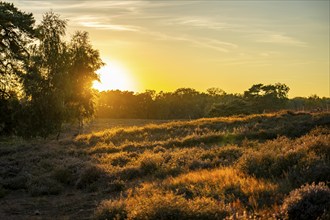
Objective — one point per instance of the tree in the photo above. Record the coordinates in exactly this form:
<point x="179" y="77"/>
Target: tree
<point x="59" y="80"/>
<point x="267" y="97"/>
<point x="215" y="92"/>
<point x="16" y="31"/>
<point x="46" y="80"/>
<point x="235" y="106"/>
<point x="84" y="61"/>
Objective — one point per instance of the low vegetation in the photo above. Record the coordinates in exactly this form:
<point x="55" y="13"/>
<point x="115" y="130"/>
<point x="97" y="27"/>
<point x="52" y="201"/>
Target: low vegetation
<point x="268" y="166"/>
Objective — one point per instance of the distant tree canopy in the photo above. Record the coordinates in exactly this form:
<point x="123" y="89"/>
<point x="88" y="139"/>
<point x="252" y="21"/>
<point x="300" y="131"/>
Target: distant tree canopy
<point x="187" y="103"/>
<point x="55" y="76"/>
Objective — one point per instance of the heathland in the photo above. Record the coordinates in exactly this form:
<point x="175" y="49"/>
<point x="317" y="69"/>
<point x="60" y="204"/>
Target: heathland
<point x="263" y="166"/>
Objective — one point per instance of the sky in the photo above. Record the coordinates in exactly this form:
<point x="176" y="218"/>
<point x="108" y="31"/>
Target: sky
<point x="165" y="45"/>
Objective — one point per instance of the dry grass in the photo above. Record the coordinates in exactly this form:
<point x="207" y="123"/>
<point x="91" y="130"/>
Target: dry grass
<point x="237" y="167"/>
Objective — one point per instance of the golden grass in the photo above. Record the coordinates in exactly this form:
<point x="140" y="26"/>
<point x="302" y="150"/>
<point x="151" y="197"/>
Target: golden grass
<point x="212" y="168"/>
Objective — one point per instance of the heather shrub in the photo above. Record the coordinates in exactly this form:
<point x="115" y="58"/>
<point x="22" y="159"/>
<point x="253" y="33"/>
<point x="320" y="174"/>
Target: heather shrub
<point x="226" y="185"/>
<point x="150" y="163"/>
<point x="155" y="204"/>
<point x="2" y="192"/>
<point x="89" y="177"/>
<point x="229" y="155"/>
<point x="302" y="160"/>
<point x="64" y="175"/>
<point x="151" y="203"/>
<point x="121" y="159"/>
<point x="16" y="182"/>
<point x="129" y="173"/>
<point x="44" y="185"/>
<point x="103" y="148"/>
<point x="109" y="210"/>
<point x="308" y="202"/>
<point x="270" y="164"/>
<point x="115" y="186"/>
<point x="159" y="149"/>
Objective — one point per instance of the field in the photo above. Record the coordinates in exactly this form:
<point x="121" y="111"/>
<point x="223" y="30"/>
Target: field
<point x="264" y="166"/>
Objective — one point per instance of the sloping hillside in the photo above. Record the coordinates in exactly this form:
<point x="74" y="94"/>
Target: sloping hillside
<point x="237" y="167"/>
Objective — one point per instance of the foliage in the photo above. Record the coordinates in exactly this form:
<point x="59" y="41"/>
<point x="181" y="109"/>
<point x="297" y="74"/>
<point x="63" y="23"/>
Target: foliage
<point x="298" y="160"/>
<point x="16" y="31"/>
<point x="187" y="103"/>
<point x="148" y="203"/>
<point x="56" y="76"/>
<point x="308" y="202"/>
<point x="44" y="81"/>
<point x="84" y="61"/>
<point x="267" y="97"/>
<point x="111" y="210"/>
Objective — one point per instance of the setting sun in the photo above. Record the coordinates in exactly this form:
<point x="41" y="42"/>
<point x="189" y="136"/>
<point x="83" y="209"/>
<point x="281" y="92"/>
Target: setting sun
<point x="114" y="76"/>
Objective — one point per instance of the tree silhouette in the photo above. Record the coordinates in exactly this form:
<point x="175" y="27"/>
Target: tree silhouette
<point x="16" y="31"/>
<point x="84" y="61"/>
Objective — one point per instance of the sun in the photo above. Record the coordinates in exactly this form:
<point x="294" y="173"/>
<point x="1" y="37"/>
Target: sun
<point x="113" y="75"/>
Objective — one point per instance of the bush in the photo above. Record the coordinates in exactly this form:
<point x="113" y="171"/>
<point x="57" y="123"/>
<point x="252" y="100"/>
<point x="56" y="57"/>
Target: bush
<point x="64" y="175"/>
<point x="129" y="173"/>
<point x="150" y="164"/>
<point x="303" y="160"/>
<point x="88" y="177"/>
<point x="3" y="192"/>
<point x="109" y="210"/>
<point x="116" y="186"/>
<point x="308" y="202"/>
<point x="44" y="185"/>
<point x="157" y="205"/>
<point x="16" y="182"/>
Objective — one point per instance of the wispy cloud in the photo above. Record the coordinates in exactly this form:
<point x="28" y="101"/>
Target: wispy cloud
<point x="101" y="22"/>
<point x="194" y="41"/>
<point x="156" y="17"/>
<point x="198" y="22"/>
<point x="114" y="27"/>
<point x="279" y="38"/>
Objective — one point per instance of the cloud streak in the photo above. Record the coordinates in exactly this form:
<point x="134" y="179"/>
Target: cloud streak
<point x="279" y="38"/>
<point x="198" y="22"/>
<point x="210" y="43"/>
<point x="114" y="27"/>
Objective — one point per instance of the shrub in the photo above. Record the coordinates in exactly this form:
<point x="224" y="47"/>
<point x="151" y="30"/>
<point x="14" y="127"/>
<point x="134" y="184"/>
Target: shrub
<point x="308" y="202"/>
<point x="88" y="177"/>
<point x="116" y="186"/>
<point x="109" y="210"/>
<point x="43" y="185"/>
<point x="129" y="173"/>
<point x="149" y="164"/>
<point x="120" y="160"/>
<point x="226" y="184"/>
<point x="2" y="192"/>
<point x="155" y="204"/>
<point x="64" y="175"/>
<point x="16" y="182"/>
<point x="304" y="160"/>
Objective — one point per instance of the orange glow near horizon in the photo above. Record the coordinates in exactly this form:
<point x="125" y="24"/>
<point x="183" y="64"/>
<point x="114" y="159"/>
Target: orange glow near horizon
<point x="113" y="75"/>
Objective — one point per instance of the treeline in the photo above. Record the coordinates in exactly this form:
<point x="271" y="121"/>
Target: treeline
<point x="44" y="80"/>
<point x="187" y="103"/>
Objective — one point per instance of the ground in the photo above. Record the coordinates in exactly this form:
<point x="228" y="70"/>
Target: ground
<point x="213" y="168"/>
